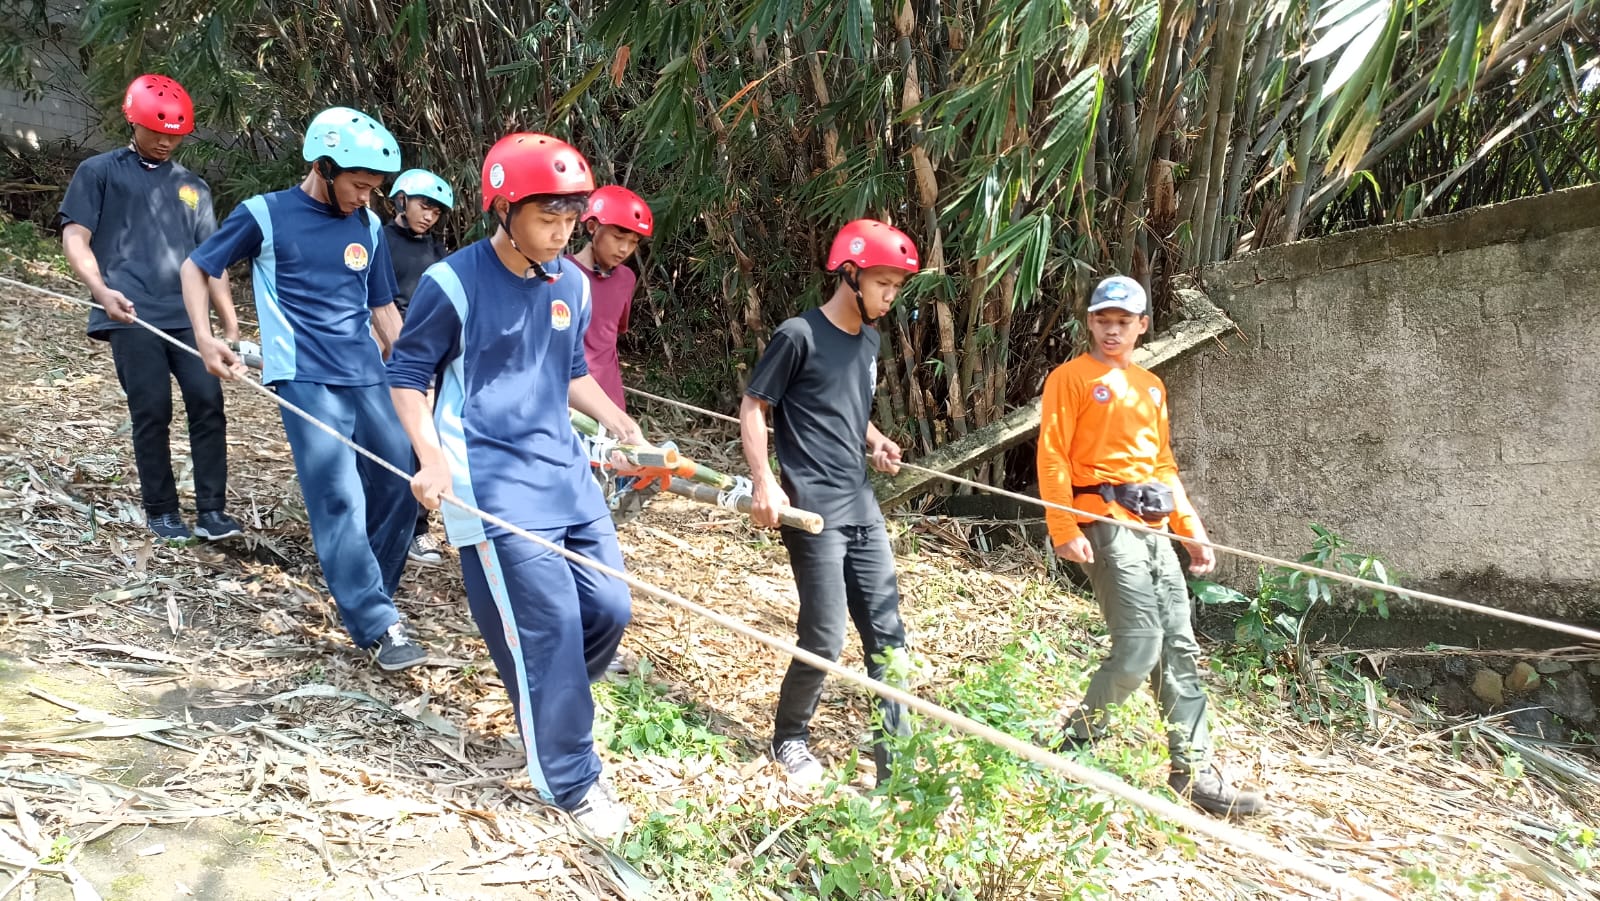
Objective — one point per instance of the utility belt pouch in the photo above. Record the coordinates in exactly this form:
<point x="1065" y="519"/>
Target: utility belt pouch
<point x="1150" y="501"/>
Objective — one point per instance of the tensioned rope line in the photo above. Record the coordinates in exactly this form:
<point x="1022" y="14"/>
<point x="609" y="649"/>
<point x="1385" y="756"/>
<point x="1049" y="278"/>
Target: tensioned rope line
<point x="1215" y="829"/>
<point x="1441" y="600"/>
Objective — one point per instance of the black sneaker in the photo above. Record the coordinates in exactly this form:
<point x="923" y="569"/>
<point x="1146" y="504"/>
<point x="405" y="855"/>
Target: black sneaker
<point x="215" y="525"/>
<point x="397" y="650"/>
<point x="169" y="527"/>
<point x="1208" y="791"/>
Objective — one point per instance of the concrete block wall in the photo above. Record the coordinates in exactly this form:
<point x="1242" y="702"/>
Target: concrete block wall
<point x="53" y="118"/>
<point x="63" y="113"/>
<point x="1430" y="391"/>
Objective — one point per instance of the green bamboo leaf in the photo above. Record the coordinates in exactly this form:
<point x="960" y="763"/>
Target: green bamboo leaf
<point x="576" y="91"/>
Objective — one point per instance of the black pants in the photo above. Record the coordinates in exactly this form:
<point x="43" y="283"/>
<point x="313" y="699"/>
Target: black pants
<point x="846" y="571"/>
<point x="146" y="366"/>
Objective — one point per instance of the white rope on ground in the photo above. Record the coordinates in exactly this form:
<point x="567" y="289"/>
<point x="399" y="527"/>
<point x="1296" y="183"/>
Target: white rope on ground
<point x="1440" y="600"/>
<point x="1217" y="830"/>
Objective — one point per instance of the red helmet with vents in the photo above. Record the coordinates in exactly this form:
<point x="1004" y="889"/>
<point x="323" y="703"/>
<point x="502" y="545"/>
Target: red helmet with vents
<point x="159" y="104"/>
<point x="868" y="243"/>
<point x="525" y="164"/>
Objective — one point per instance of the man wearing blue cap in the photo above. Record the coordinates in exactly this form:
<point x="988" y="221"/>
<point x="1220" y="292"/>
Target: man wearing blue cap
<point x="325" y="292"/>
<point x="1104" y="448"/>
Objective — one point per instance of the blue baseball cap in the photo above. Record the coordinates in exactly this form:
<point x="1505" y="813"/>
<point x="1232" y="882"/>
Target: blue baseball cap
<point x="1120" y="292"/>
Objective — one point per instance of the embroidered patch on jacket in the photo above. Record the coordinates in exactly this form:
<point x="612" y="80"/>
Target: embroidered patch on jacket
<point x="355" y="256"/>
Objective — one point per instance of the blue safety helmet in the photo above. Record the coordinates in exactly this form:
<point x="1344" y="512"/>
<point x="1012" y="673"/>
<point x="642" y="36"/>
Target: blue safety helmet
<point x="422" y="183"/>
<point x="352" y="139"/>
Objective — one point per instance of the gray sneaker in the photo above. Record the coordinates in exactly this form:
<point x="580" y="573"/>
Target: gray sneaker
<point x="397" y="650"/>
<point x="424" y="551"/>
<point x="795" y="756"/>
<point x="1208" y="791"/>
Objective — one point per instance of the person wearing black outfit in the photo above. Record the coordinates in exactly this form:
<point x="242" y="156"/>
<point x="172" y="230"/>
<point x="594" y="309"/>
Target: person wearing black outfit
<point x="817" y="378"/>
<point x="129" y="219"/>
<point x="420" y="201"/>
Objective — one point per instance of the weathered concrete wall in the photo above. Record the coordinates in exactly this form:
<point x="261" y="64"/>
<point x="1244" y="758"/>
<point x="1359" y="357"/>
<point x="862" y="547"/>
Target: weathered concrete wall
<point x="1430" y="391"/>
<point x="64" y="112"/>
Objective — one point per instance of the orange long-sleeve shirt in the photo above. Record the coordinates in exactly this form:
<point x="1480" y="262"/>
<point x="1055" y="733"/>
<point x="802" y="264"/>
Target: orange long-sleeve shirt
<point x="1100" y="425"/>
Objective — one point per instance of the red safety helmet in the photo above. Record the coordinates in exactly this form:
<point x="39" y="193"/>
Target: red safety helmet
<point x="159" y="104"/>
<point x="616" y="205"/>
<point x="868" y="243"/>
<point x="525" y="164"/>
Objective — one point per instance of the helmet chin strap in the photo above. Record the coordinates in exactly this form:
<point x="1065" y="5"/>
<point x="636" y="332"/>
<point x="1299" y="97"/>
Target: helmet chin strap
<point x="549" y="277"/>
<point x="861" y="305"/>
<point x="324" y="167"/>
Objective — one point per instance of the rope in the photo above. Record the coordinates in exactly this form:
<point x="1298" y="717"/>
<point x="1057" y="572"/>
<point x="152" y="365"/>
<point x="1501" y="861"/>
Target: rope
<point x="1216" y="830"/>
<point x="1440" y="600"/>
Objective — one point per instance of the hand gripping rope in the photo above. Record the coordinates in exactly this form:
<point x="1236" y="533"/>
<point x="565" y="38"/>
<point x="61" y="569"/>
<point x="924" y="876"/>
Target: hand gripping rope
<point x="1441" y="600"/>
<point x="1184" y="816"/>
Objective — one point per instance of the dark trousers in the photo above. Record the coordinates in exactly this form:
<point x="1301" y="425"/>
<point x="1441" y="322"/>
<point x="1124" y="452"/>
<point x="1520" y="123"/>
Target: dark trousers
<point x="846" y="573"/>
<point x="360" y="514"/>
<point x="146" y="366"/>
<point x="551" y="627"/>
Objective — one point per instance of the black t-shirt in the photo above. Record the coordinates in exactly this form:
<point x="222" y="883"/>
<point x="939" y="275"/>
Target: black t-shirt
<point x="143" y="223"/>
<point x="412" y="255"/>
<point x="819" y="381"/>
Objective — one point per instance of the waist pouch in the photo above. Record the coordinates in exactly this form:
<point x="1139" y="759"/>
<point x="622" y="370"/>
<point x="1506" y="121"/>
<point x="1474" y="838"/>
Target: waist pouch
<point x="1150" y="501"/>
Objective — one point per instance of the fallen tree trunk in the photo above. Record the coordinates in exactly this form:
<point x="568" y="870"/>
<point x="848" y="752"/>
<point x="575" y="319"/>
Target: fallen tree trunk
<point x="1202" y="321"/>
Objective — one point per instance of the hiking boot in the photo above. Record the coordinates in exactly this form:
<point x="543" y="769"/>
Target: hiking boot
<point x="169" y="527"/>
<point x="1208" y="791"/>
<point x="601" y="813"/>
<point x="424" y="551"/>
<point x="397" y="650"/>
<point x="795" y="756"/>
<point x="215" y="525"/>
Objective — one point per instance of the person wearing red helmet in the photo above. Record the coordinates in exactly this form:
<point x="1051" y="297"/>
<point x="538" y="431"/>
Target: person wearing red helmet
<point x="617" y="220"/>
<point x="497" y="328"/>
<point x="817" y="377"/>
<point x="130" y="217"/>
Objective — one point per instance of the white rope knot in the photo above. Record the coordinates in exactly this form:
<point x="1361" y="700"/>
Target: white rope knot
<point x="730" y="498"/>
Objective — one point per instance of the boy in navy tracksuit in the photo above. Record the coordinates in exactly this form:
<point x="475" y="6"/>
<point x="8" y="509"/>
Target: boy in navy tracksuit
<point x="500" y="323"/>
<point x="324" y="291"/>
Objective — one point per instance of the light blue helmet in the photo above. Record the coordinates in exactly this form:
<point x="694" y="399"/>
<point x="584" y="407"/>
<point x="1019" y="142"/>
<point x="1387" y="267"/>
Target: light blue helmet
<point x="352" y="139"/>
<point x="422" y="183"/>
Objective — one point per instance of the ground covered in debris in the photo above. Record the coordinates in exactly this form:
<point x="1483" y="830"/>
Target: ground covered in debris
<point x="192" y="722"/>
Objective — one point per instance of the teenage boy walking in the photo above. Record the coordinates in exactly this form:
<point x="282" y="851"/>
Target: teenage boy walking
<point x="1104" y="448"/>
<point x="420" y="198"/>
<point x="817" y="377"/>
<point x="324" y="291"/>
<point x="130" y="218"/>
<point x="502" y="322"/>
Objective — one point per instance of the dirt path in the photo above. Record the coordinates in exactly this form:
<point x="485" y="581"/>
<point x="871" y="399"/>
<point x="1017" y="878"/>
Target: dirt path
<point x="193" y="723"/>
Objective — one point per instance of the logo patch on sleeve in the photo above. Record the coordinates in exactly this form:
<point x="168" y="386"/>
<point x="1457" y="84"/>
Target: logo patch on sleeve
<point x="355" y="256"/>
<point x="1155" y="395"/>
<point x="560" y="315"/>
<point x="1102" y="394"/>
<point x="189" y="196"/>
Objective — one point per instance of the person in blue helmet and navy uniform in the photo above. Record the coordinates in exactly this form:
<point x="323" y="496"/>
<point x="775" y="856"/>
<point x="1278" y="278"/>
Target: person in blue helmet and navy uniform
<point x="325" y="289"/>
<point x="421" y="199"/>
<point x="500" y="324"/>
